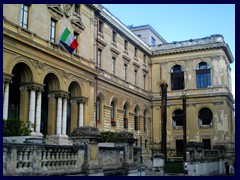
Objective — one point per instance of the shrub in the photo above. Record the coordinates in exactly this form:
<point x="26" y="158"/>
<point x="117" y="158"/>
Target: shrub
<point x="107" y="136"/>
<point x="16" y="127"/>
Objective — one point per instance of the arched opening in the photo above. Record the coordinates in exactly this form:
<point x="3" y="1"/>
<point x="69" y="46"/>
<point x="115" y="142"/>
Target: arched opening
<point x="51" y="84"/>
<point x="177" y="77"/>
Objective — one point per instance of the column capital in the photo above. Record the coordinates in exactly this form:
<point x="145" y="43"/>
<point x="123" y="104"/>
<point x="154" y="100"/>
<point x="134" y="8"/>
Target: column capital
<point x="31" y="86"/>
<point x="80" y="99"/>
<point x="57" y="94"/>
<point x="7" y="77"/>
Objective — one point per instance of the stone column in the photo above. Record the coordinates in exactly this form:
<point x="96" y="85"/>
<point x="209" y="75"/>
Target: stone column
<point x="6" y="101"/>
<point x="64" y="118"/>
<point x="32" y="105"/>
<point x="38" y="112"/>
<point x="90" y="137"/>
<point x="51" y="114"/>
<point x="59" y="115"/>
<point x="24" y="102"/>
<point x="74" y="113"/>
<point x="80" y="118"/>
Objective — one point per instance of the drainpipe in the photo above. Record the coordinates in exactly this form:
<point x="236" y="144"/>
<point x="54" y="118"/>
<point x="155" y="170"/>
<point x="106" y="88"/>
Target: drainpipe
<point x="96" y="66"/>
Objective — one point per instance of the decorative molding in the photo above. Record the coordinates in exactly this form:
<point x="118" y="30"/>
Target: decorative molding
<point x="56" y="11"/>
<point x="114" y="52"/>
<point x="101" y="44"/>
<point x="136" y="65"/>
<point x="126" y="59"/>
<point x="67" y="9"/>
<point x="77" y="25"/>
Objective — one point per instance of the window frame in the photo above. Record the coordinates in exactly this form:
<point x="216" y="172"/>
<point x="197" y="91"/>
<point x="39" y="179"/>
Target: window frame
<point x="203" y="75"/>
<point x="53" y="30"/>
<point x="177" y="78"/>
<point x="207" y="115"/>
<point x="113" y="65"/>
<point x="24" y="17"/>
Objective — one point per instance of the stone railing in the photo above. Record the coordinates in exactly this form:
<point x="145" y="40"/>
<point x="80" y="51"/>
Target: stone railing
<point x="86" y="157"/>
<point x="39" y="159"/>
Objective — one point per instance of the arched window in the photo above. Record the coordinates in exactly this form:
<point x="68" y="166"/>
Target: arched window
<point x="203" y="75"/>
<point x="125" y="119"/>
<point x="205" y="117"/>
<point x="113" y="123"/>
<point x="145" y="121"/>
<point x="177" y="118"/>
<point x="136" y="119"/>
<point x="98" y="104"/>
<point x="177" y="78"/>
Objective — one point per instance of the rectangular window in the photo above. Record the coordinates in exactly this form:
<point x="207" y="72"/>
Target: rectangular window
<point x="135" y="52"/>
<point x="144" y="58"/>
<point x="52" y="30"/>
<point x="153" y="41"/>
<point x="75" y="35"/>
<point x="114" y="36"/>
<point x="125" y="45"/>
<point x="99" y="57"/>
<point x="113" y="65"/>
<point x="135" y="77"/>
<point x="100" y="26"/>
<point x="77" y="8"/>
<point x="125" y="72"/>
<point x="144" y="81"/>
<point x="24" y="16"/>
<point x="207" y="143"/>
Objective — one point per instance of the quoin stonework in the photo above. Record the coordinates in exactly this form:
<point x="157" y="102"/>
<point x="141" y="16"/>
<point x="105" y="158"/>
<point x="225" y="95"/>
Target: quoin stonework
<point x="112" y="81"/>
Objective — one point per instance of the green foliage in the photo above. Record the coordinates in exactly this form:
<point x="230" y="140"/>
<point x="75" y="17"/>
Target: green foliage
<point x="107" y="136"/>
<point x="174" y="167"/>
<point x="16" y="127"/>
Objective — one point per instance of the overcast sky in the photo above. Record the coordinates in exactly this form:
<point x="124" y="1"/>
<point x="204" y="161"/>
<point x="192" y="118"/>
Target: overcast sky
<point x="182" y="21"/>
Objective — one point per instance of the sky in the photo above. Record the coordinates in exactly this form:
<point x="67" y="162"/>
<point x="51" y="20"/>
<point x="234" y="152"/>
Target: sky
<point x="178" y="22"/>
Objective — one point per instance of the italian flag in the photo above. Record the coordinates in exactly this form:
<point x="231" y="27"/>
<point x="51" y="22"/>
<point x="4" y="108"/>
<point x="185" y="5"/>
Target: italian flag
<point x="68" y="41"/>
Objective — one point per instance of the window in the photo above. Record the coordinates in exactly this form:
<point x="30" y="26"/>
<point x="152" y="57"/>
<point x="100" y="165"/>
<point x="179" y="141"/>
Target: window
<point x="144" y="81"/>
<point x="153" y="41"/>
<point x="144" y="58"/>
<point x="113" y="65"/>
<point x="98" y="104"/>
<point x="125" y="119"/>
<point x="177" y="78"/>
<point x="53" y="30"/>
<point x="100" y="26"/>
<point x="135" y="119"/>
<point x="114" y="36"/>
<point x="77" y="9"/>
<point x="207" y="144"/>
<point x="113" y="123"/>
<point x="75" y="35"/>
<point x="125" y="45"/>
<point x="135" y="52"/>
<point x="125" y="72"/>
<point x="24" y="16"/>
<point x="179" y="146"/>
<point x="205" y="117"/>
<point x="145" y="121"/>
<point x="99" y="57"/>
<point x="135" y="77"/>
<point x="203" y="76"/>
<point x="177" y="118"/>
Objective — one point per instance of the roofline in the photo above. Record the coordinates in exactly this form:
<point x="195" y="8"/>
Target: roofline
<point x="146" y="27"/>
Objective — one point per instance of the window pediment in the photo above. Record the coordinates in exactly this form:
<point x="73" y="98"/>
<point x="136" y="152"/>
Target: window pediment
<point x="126" y="59"/>
<point x="56" y="11"/>
<point x="136" y="65"/>
<point x="114" y="52"/>
<point x="101" y="44"/>
<point x="77" y="25"/>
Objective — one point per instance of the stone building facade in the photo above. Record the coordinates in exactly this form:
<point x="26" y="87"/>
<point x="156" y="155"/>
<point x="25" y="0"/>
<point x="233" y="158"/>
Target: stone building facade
<point x="112" y="80"/>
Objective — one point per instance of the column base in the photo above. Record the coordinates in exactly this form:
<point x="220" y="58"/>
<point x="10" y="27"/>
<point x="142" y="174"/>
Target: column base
<point x="58" y="140"/>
